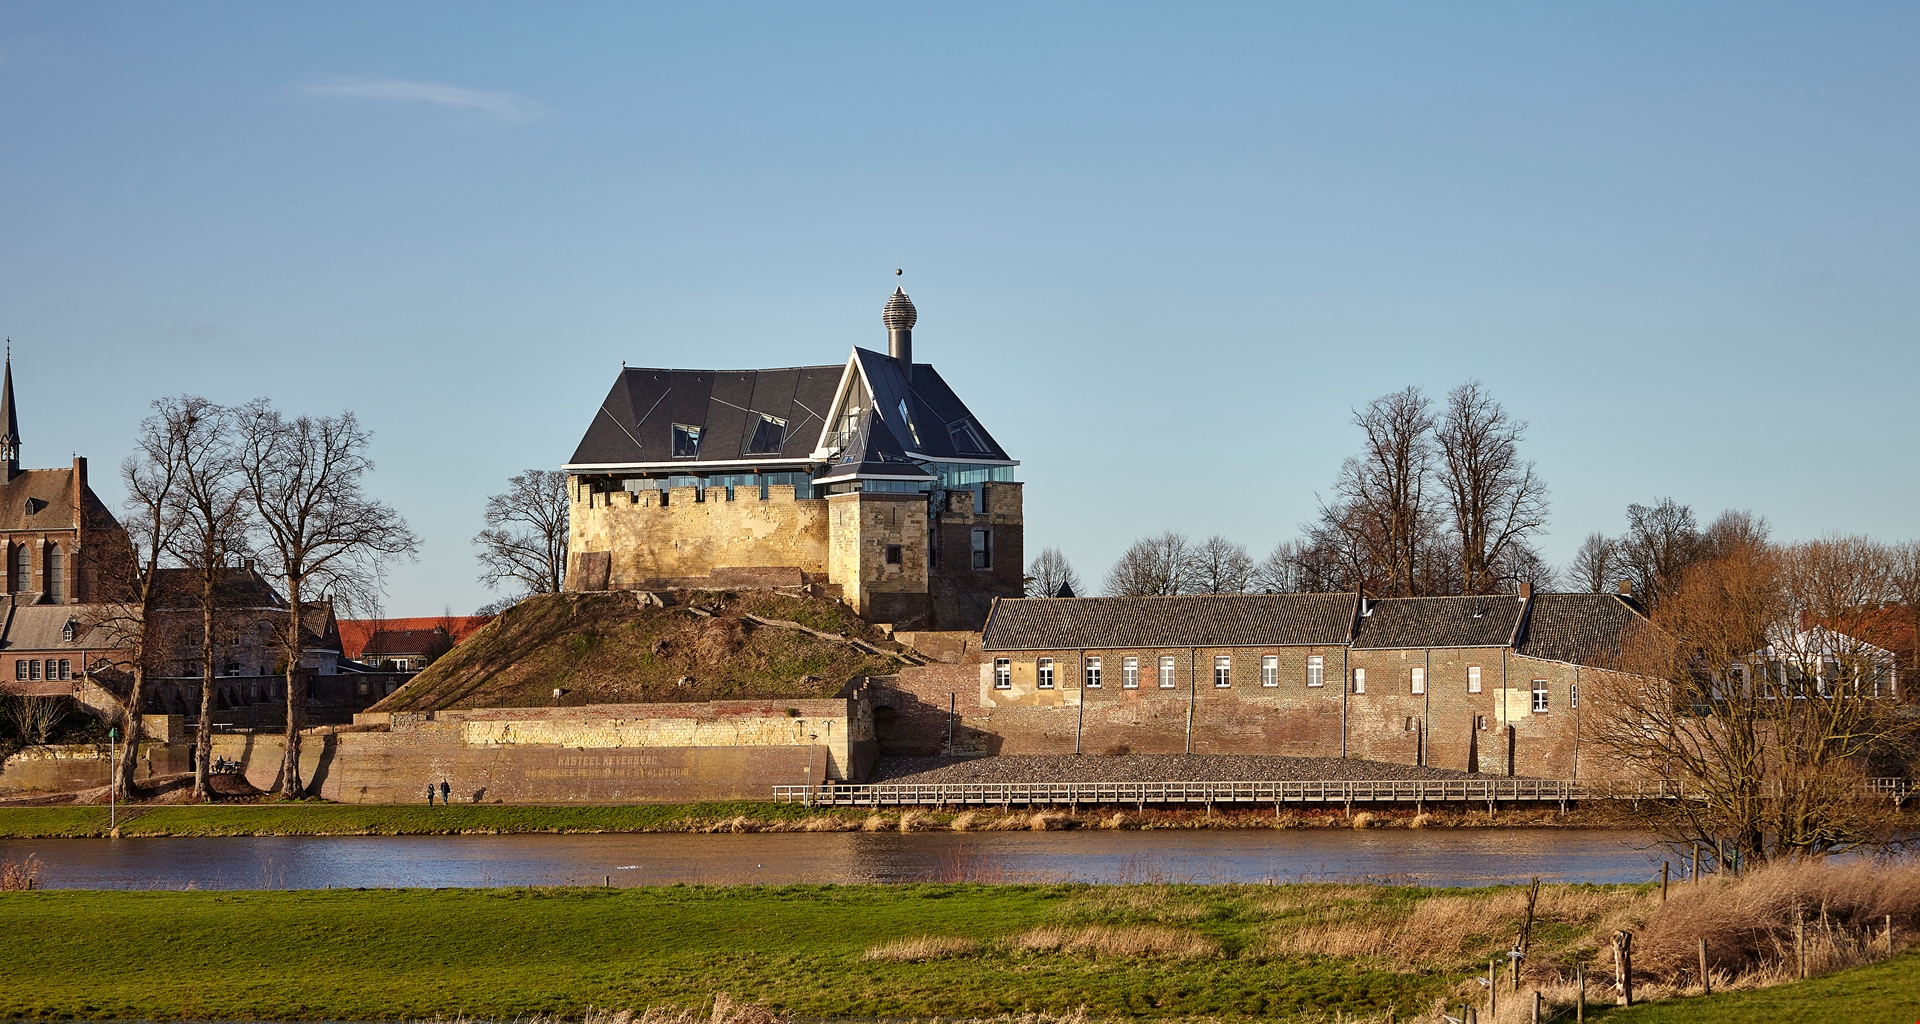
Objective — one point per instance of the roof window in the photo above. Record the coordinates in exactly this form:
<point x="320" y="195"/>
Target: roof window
<point x="768" y="436"/>
<point x="686" y="441"/>
<point x="906" y="417"/>
<point x="966" y="438"/>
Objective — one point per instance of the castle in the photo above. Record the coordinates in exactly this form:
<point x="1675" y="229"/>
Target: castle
<point x="871" y="479"/>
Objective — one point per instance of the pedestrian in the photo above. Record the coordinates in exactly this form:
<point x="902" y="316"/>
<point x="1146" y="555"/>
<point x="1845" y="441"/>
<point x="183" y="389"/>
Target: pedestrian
<point x="429" y="794"/>
<point x="444" y="790"/>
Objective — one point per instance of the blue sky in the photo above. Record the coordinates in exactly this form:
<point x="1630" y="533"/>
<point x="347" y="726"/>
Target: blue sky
<point x="1161" y="250"/>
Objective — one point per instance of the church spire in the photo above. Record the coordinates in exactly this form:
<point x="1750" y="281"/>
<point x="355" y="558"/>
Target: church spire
<point x="9" y="420"/>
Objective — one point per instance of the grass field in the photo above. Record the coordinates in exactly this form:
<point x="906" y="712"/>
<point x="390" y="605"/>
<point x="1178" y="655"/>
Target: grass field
<point x="1229" y="953"/>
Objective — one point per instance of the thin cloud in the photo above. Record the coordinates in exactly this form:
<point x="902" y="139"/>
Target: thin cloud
<point x="504" y="105"/>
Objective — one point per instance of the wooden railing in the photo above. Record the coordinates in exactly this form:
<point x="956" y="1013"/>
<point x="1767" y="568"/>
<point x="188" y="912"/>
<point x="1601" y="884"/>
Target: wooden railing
<point x="1056" y="794"/>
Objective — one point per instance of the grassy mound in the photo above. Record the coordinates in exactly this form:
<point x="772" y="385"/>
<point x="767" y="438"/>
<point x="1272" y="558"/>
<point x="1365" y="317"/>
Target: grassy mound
<point x="613" y="649"/>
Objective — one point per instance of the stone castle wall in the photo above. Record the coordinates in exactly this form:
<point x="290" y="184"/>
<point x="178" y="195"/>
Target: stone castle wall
<point x="645" y="537"/>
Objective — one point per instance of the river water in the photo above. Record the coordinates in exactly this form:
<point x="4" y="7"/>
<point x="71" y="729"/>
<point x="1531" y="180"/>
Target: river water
<point x="1444" y="857"/>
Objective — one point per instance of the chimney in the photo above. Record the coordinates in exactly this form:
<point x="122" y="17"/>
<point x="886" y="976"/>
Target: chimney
<point x="1526" y="592"/>
<point x="1626" y="588"/>
<point x="899" y="317"/>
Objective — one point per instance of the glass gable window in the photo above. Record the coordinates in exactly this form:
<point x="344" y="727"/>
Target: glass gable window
<point x="966" y="438"/>
<point x="686" y="441"/>
<point x="768" y="435"/>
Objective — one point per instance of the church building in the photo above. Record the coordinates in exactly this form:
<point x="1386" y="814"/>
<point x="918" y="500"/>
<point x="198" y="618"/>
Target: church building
<point x="58" y="536"/>
<point x="872" y="479"/>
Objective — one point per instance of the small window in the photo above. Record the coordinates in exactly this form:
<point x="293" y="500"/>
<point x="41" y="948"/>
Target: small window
<point x="1130" y="673"/>
<point x="1002" y="674"/>
<point x="1093" y="673"/>
<point x="1573" y="695"/>
<point x="893" y="554"/>
<point x="1409" y="726"/>
<point x="1043" y="673"/>
<point x="33" y="669"/>
<point x="20" y="671"/>
<point x="1222" y="671"/>
<point x="1359" y="680"/>
<point x="365" y="688"/>
<point x="1480" y="722"/>
<point x="67" y="632"/>
<point x="1419" y="675"/>
<point x="66" y="668"/>
<point x="1316" y="670"/>
<point x="768" y="436"/>
<point x="1473" y="679"/>
<point x="912" y="431"/>
<point x="1166" y="674"/>
<point x="1270" y="670"/>
<point x="1539" y="696"/>
<point x="983" y="549"/>
<point x="686" y="441"/>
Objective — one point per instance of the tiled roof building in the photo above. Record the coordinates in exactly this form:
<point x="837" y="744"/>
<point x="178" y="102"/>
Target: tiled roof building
<point x="871" y="477"/>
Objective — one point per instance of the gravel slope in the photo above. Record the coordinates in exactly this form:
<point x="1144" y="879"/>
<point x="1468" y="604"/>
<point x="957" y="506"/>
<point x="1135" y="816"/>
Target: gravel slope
<point x="1150" y="768"/>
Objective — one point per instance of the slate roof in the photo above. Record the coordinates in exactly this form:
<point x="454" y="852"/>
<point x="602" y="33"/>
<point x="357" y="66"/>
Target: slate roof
<point x="233" y="588"/>
<point x="635" y="423"/>
<point x="1583" y="629"/>
<point x="939" y="426"/>
<point x="873" y="452"/>
<point x="1397" y="622"/>
<point x="1197" y="620"/>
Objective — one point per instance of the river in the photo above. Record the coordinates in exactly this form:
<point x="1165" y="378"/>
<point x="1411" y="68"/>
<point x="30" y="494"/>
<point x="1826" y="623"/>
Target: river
<point x="1444" y="857"/>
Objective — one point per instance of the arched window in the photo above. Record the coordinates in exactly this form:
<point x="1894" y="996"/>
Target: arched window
<point x="22" y="569"/>
<point x="56" y="575"/>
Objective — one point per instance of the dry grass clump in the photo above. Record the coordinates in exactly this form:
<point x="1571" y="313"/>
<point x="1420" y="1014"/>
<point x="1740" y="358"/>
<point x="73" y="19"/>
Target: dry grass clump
<point x="20" y="874"/>
<point x="1364" y="819"/>
<point x="1009" y="823"/>
<point x="1118" y="820"/>
<point x="1048" y="821"/>
<point x="826" y="823"/>
<point x="921" y="947"/>
<point x="876" y="823"/>
<point x="725" y="1011"/>
<point x="1749" y="922"/>
<point x="1437" y="931"/>
<point x="1420" y="821"/>
<point x="913" y="819"/>
<point x="1149" y="902"/>
<point x="1119" y="940"/>
<point x="964" y="821"/>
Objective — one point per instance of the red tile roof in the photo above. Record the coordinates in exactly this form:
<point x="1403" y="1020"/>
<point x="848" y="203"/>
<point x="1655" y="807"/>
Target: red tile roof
<point x="356" y="634"/>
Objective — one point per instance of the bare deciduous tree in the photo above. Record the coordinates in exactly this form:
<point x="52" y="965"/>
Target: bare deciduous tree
<point x="1597" y="567"/>
<point x="1755" y="692"/>
<point x="1903" y="584"/>
<point x="1494" y="497"/>
<point x="525" y="542"/>
<point x="35" y="716"/>
<point x="1219" y="566"/>
<point x="1662" y="540"/>
<point x="1383" y="505"/>
<point x="212" y="511"/>
<point x="320" y="533"/>
<point x="1049" y="572"/>
<point x="1152" y="566"/>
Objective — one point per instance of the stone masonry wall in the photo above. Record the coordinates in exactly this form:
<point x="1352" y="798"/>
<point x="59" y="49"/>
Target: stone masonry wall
<point x="862" y="527"/>
<point x="649" y="540"/>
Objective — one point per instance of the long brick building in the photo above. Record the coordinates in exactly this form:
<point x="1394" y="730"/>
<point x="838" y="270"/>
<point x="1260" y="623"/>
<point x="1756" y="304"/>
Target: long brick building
<point x="1487" y="684"/>
<point x="871" y="478"/>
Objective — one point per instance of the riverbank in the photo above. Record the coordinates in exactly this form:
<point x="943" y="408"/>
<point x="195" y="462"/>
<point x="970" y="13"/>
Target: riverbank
<point x="1167" y="952"/>
<point x="315" y="818"/>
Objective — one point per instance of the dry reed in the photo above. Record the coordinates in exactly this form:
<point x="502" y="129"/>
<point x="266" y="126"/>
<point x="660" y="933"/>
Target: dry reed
<point x="1364" y="819"/>
<point x="922" y="947"/>
<point x="1144" y="940"/>
<point x="20" y="874"/>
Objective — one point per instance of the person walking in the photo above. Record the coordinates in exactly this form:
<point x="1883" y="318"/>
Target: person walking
<point x="444" y="790"/>
<point x="429" y="794"/>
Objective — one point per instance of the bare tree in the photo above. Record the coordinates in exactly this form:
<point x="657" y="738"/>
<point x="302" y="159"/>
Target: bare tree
<point x="1494" y="497"/>
<point x="1152" y="566"/>
<point x="1281" y="571"/>
<point x="1662" y="540"/>
<point x="525" y="542"/>
<point x="35" y="717"/>
<point x="1597" y="567"/>
<point x="1382" y="503"/>
<point x="1220" y="566"/>
<point x="1755" y="693"/>
<point x="212" y="510"/>
<point x="320" y="533"/>
<point x="130" y="621"/>
<point x="1903" y="585"/>
<point x="1049" y="572"/>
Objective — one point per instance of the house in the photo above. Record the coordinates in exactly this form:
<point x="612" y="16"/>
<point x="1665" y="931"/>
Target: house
<point x="871" y="478"/>
<point x="405" y="645"/>
<point x="1485" y="684"/>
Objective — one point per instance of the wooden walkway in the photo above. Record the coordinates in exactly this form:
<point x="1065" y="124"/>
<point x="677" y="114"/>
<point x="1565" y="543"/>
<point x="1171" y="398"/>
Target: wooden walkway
<point x="1141" y="794"/>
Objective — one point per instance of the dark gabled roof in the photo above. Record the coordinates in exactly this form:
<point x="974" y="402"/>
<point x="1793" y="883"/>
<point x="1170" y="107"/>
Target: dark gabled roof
<point x="38" y="499"/>
<point x="1197" y="620"/>
<point x="1396" y="622"/>
<point x="939" y="425"/>
<point x="1583" y="629"/>
<point x="873" y="452"/>
<point x="635" y="423"/>
<point x="233" y="587"/>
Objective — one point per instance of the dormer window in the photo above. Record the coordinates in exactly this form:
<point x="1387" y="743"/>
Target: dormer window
<point x="967" y="440"/>
<point x="686" y="441"/>
<point x="67" y="632"/>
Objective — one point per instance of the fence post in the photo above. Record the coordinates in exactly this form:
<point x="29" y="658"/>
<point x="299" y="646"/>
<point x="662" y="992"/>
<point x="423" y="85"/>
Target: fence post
<point x="1536" y="1006"/>
<point x="1889" y="934"/>
<point x="1493" y="990"/>
<point x="1663" y="882"/>
<point x="1800" y="940"/>
<point x="1696" y="865"/>
<point x="1623" y="966"/>
<point x="1706" y="980"/>
<point x="1580" y="1000"/>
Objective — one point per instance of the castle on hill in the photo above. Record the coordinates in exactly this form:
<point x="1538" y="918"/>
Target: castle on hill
<point x="871" y="478"/>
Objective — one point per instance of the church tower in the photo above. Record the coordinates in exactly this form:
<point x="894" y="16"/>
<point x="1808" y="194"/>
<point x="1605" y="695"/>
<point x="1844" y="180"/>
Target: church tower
<point x="9" y="422"/>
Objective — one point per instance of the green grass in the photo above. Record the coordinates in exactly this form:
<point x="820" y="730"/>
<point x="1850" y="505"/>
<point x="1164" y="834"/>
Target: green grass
<point x="351" y="955"/>
<point x="362" y="819"/>
<point x="1884" y="993"/>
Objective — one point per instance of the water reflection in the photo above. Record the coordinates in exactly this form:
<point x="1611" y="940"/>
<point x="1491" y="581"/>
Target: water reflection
<point x="1427" y="857"/>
